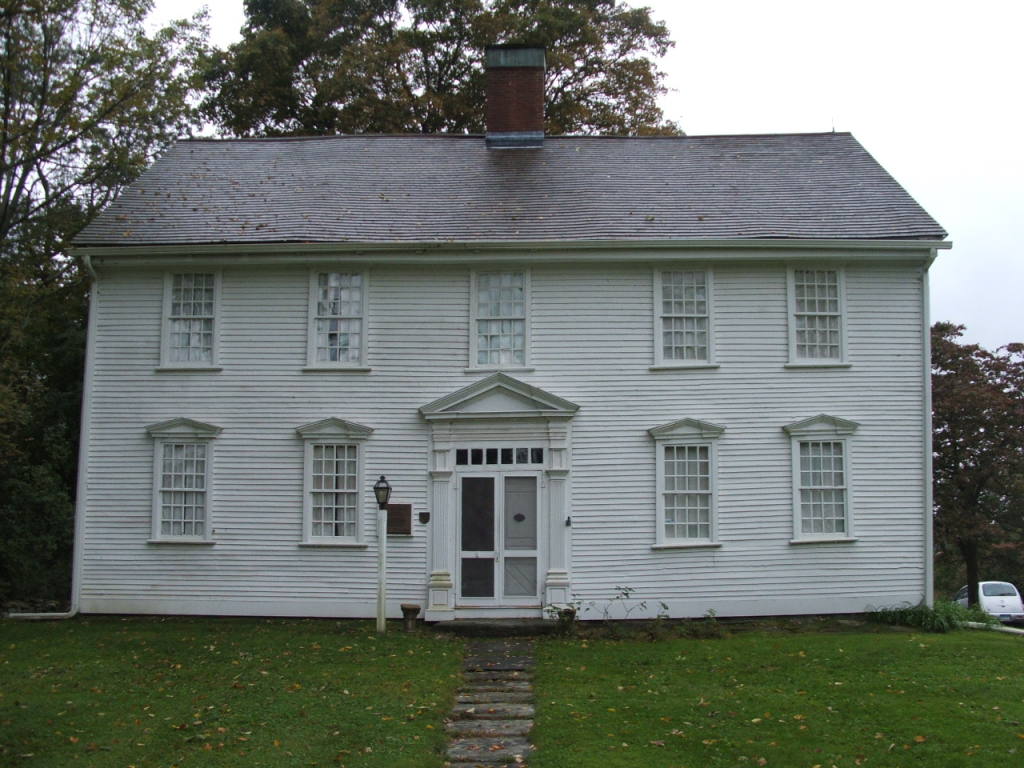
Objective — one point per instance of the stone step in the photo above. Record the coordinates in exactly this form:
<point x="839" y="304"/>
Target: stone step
<point x="494" y="675"/>
<point x="484" y="697"/>
<point x="495" y="711"/>
<point x="501" y="664"/>
<point x="497" y="685"/>
<point x="488" y="751"/>
<point x="489" y="727"/>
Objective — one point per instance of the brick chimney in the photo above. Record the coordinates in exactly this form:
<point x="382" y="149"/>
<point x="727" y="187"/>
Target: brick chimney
<point x="515" y="97"/>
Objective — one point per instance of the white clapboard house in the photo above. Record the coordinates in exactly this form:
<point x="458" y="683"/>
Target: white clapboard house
<point x="694" y="369"/>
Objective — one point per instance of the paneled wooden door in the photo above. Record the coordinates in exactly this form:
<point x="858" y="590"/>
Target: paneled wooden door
<point x="498" y="529"/>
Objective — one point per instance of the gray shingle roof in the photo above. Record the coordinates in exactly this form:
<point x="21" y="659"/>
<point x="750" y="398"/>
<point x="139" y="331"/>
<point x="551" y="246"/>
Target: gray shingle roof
<point x="381" y="189"/>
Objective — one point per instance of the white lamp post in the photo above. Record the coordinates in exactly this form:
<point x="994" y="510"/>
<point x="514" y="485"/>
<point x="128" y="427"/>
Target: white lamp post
<point x="382" y="490"/>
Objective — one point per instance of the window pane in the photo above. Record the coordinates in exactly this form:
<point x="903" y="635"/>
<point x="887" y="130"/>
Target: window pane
<point x="822" y="487"/>
<point x="339" y="323"/>
<point x="817" y="314"/>
<point x="501" y="295"/>
<point x="183" y="489"/>
<point x="334" y="496"/>
<point x="190" y="320"/>
<point x="501" y="342"/>
<point x="684" y="321"/>
<point x="687" y="492"/>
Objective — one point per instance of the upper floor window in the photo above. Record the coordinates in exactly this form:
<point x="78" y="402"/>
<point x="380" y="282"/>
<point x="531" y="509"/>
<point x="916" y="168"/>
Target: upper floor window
<point x="816" y="309"/>
<point x="821" y="478"/>
<point x="500" y="309"/>
<point x="182" y="461"/>
<point x="683" y="327"/>
<point x="686" y="474"/>
<point x="337" y="322"/>
<point x="190" y="319"/>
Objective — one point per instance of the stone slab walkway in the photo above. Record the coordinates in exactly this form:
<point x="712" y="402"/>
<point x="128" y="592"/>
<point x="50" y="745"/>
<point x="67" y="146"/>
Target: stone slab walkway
<point x="493" y="713"/>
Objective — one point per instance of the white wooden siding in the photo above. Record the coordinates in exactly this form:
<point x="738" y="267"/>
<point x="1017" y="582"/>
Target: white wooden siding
<point x="593" y="344"/>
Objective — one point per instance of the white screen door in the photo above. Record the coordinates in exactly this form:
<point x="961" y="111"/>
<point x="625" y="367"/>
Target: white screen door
<point x="498" y="540"/>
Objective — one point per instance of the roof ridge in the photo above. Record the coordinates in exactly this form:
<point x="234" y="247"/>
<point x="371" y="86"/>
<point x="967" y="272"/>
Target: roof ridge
<point x="477" y="136"/>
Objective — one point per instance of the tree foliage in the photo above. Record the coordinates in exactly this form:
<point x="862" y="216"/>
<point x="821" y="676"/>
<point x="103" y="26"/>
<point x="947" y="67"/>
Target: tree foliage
<point x="978" y="447"/>
<point x="88" y="99"/>
<point x="415" y="66"/>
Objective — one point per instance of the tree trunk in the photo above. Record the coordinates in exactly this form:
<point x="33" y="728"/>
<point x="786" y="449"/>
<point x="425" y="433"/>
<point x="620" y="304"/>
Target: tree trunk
<point x="969" y="550"/>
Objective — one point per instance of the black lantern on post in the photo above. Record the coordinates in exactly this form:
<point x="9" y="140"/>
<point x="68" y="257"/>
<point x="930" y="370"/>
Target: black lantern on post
<point x="382" y="491"/>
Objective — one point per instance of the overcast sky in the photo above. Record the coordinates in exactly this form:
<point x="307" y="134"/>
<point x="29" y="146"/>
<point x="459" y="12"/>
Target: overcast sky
<point x="931" y="88"/>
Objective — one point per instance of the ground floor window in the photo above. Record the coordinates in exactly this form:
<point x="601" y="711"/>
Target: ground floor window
<point x="182" y="473"/>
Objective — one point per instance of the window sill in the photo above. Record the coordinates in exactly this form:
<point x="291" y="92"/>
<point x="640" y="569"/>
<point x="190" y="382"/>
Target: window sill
<point x="188" y="368"/>
<point x="499" y="369"/>
<point x="818" y="365"/>
<point x="684" y="367"/>
<point x="693" y="545"/>
<point x="336" y="369"/>
<point x="185" y="542"/>
<point x="335" y="544"/>
<point x="839" y="540"/>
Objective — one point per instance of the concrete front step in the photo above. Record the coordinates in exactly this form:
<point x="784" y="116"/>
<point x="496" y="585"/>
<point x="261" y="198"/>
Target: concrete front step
<point x="482" y="697"/>
<point x="495" y="711"/>
<point x="498" y="686"/>
<point x="488" y="751"/>
<point x="489" y="727"/>
<point x="498" y="627"/>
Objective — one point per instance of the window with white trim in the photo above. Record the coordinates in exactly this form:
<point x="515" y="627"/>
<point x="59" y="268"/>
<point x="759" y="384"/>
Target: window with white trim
<point x="332" y="485"/>
<point x="687" y="462"/>
<point x="500" y="305"/>
<point x="683" y="308"/>
<point x="334" y="495"/>
<point x="190" y="319"/>
<point x="821" y="478"/>
<point x="816" y="316"/>
<point x="822" y="487"/>
<point x="686" y="495"/>
<point x="183" y="489"/>
<point x="337" y="320"/>
<point x="182" y="462"/>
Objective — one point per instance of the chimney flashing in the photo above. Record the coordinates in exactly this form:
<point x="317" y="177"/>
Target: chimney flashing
<point x="515" y="140"/>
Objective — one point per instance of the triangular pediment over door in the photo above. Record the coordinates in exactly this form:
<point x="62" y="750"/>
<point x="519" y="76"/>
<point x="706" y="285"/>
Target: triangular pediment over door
<point x="498" y="396"/>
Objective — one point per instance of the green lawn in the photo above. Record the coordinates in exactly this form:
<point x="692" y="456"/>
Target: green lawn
<point x="762" y="698"/>
<point x="222" y="692"/>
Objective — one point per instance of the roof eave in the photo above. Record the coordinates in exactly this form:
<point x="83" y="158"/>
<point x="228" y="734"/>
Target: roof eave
<point x="471" y="250"/>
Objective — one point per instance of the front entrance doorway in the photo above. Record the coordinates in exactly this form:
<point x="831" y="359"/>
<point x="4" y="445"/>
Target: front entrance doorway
<point x="498" y="530"/>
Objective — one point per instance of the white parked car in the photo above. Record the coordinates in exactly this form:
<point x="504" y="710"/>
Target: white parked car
<point x="999" y="598"/>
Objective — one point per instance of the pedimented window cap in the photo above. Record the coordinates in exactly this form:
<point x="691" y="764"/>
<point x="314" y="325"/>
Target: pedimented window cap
<point x="686" y="428"/>
<point x="822" y="424"/>
<point x="184" y="428"/>
<point x="334" y="428"/>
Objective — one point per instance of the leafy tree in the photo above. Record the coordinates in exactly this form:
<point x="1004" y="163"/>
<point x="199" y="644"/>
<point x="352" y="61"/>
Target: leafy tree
<point x="415" y="66"/>
<point x="88" y="99"/>
<point x="978" y="446"/>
